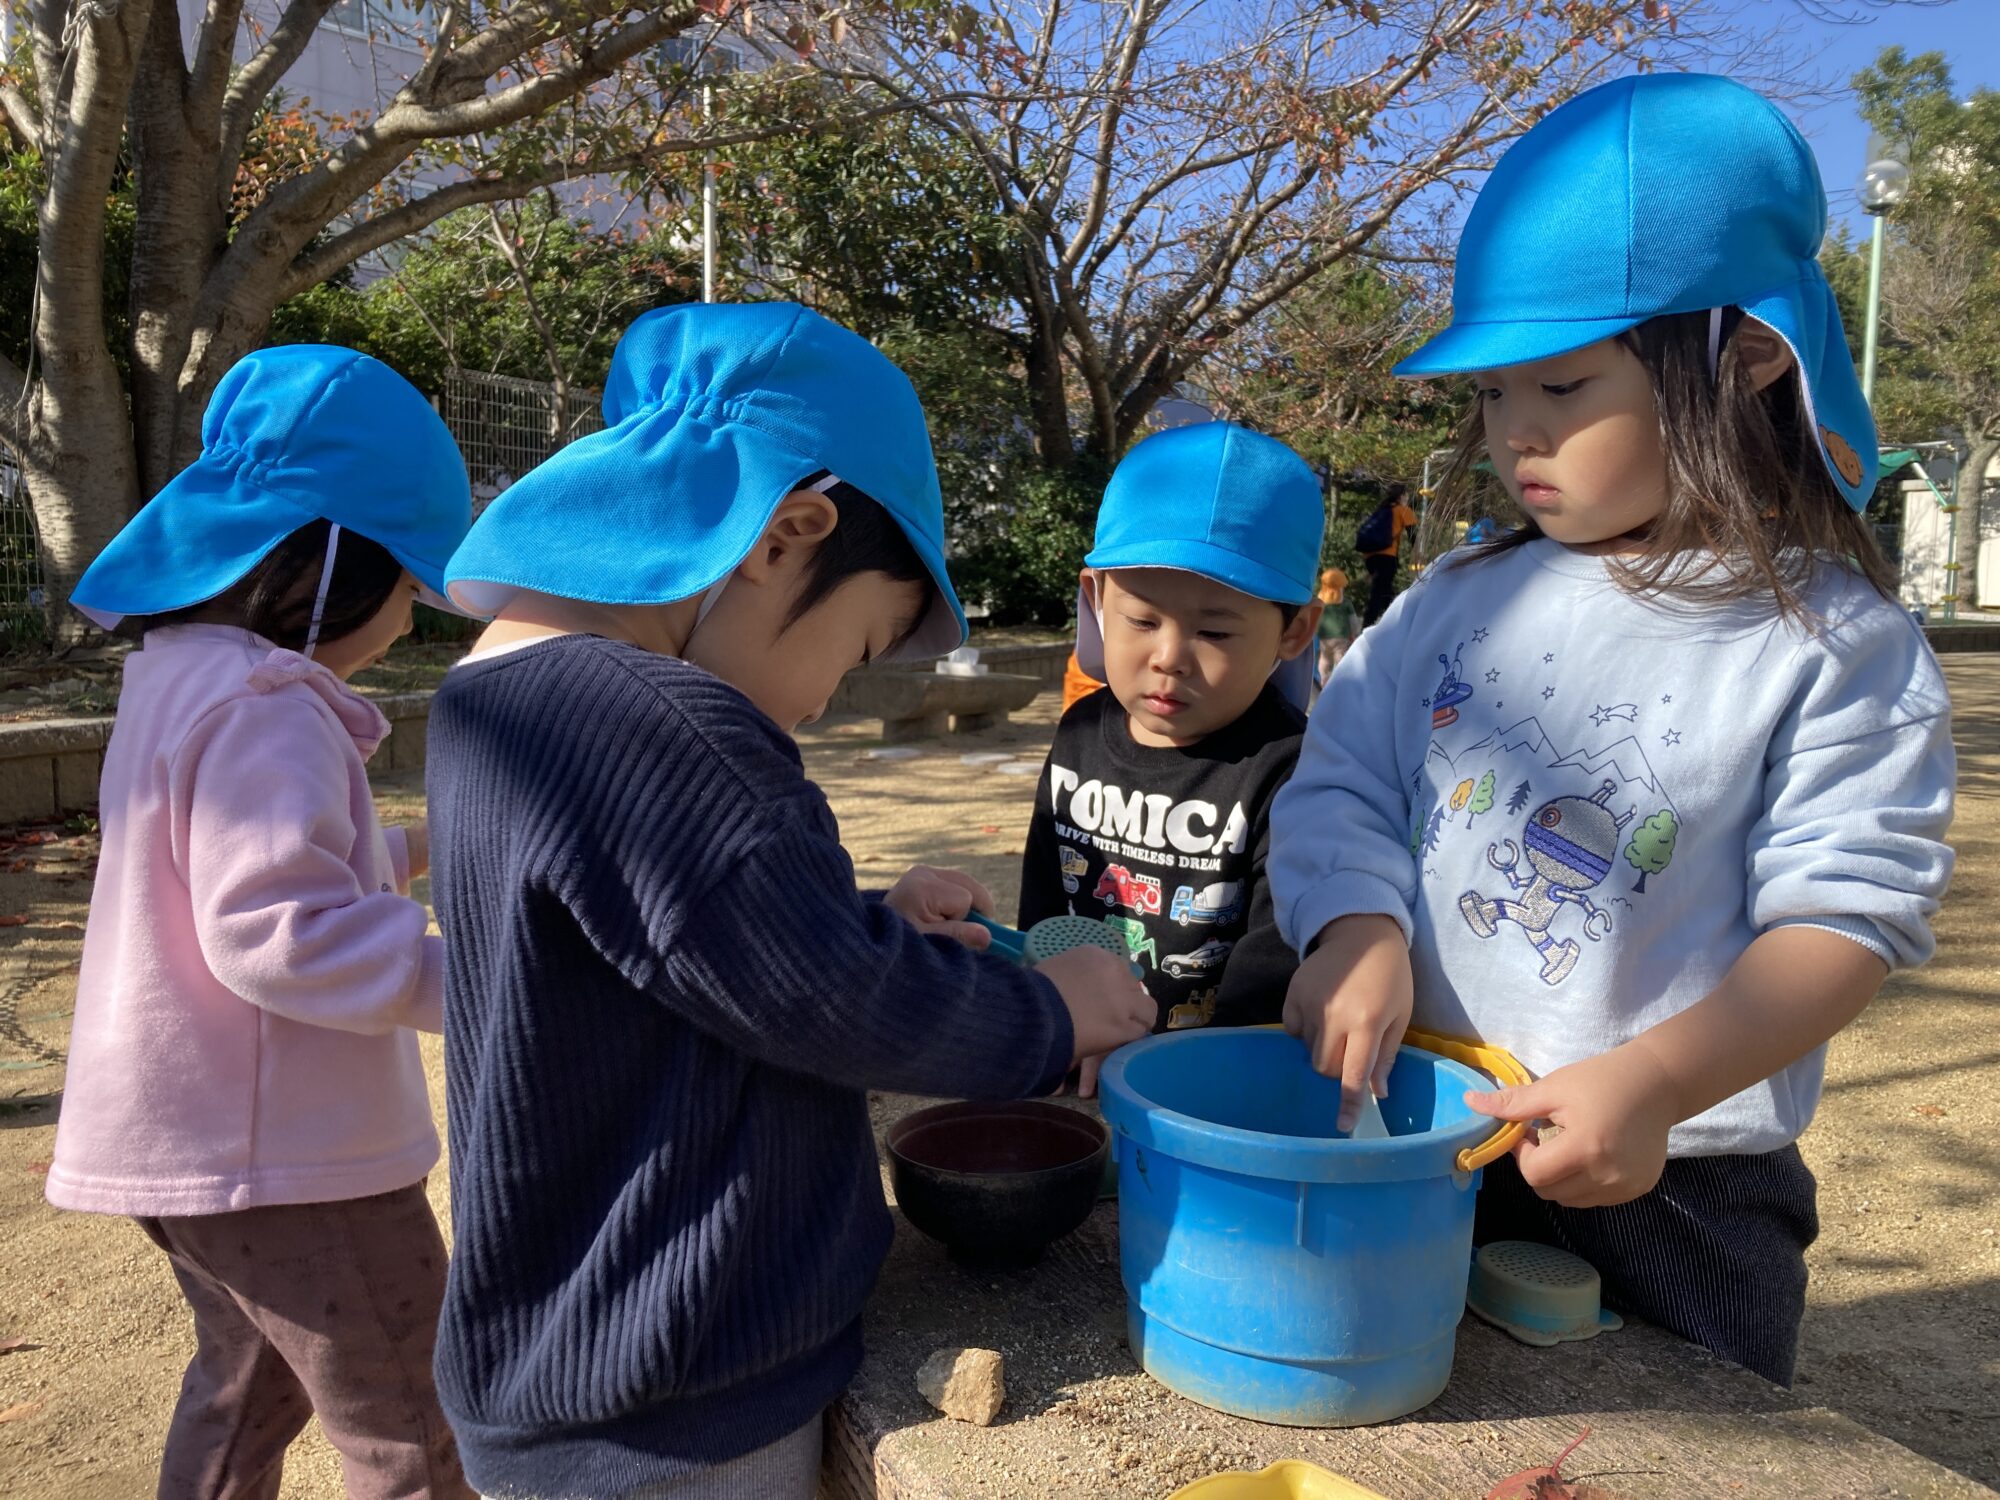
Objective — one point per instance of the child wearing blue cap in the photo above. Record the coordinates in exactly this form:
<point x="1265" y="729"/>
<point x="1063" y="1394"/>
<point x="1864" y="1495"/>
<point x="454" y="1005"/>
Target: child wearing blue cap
<point x="243" y="1073"/>
<point x="1651" y="790"/>
<point x="1196" y="611"/>
<point x="665" y="999"/>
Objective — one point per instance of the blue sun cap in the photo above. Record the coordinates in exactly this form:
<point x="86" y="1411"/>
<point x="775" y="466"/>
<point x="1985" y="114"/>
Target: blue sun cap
<point x="713" y="414"/>
<point x="1662" y="193"/>
<point x="292" y="435"/>
<point x="1221" y="501"/>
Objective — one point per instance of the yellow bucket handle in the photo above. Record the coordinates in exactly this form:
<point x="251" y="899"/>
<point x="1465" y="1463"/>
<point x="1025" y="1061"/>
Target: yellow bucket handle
<point x="1498" y="1063"/>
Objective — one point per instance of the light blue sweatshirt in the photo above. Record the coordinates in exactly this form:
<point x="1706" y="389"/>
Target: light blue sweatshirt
<point x="1582" y="806"/>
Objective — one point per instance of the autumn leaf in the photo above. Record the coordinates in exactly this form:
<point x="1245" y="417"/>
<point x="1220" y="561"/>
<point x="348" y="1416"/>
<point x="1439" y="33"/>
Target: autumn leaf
<point x="23" y="1410"/>
<point x="1546" y="1483"/>
<point x="16" y="920"/>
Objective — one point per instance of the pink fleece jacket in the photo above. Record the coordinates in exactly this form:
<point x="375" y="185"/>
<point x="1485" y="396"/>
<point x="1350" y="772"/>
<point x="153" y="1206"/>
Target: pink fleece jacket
<point x="254" y="972"/>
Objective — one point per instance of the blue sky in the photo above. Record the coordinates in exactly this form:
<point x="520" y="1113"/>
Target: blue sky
<point x="1966" y="31"/>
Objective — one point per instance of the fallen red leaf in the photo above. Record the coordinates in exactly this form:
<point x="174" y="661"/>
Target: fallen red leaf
<point x="15" y="867"/>
<point x="24" y="1409"/>
<point x="40" y="1168"/>
<point x="1545" y="1483"/>
<point x="989" y="828"/>
<point x="14" y="1341"/>
<point x="1930" y="1111"/>
<point x="17" y="920"/>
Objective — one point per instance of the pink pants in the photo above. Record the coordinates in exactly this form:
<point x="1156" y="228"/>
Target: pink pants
<point x="312" y="1307"/>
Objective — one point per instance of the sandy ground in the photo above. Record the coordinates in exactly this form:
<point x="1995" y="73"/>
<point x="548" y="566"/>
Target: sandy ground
<point x="1904" y="1322"/>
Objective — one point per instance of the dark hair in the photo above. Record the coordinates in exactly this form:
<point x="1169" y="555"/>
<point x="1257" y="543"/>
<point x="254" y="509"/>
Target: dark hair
<point x="866" y="539"/>
<point x="275" y="598"/>
<point x="1747" y="486"/>
<point x="1398" y="493"/>
<point x="1287" y="613"/>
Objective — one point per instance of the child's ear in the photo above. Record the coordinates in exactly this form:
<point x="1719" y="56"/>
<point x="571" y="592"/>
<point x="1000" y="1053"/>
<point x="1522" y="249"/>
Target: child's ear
<point x="803" y="520"/>
<point x="1299" y="634"/>
<point x="1087" y="580"/>
<point x="1765" y="355"/>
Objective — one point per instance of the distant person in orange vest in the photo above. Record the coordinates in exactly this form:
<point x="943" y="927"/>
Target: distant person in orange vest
<point x="1380" y="540"/>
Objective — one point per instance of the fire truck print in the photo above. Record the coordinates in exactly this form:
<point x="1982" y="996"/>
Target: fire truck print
<point x="1118" y="886"/>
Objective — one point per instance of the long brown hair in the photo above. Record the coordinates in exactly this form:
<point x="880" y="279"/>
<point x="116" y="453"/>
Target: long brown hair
<point x="1751" y="510"/>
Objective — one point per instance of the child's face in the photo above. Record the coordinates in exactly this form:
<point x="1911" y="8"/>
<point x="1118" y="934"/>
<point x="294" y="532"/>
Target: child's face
<point x="363" y="648"/>
<point x="790" y="671"/>
<point x="1576" y="441"/>
<point x="1185" y="655"/>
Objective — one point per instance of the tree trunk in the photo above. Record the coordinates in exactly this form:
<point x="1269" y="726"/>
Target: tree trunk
<point x="177" y="232"/>
<point x="83" y="485"/>
<point x="1971" y="491"/>
<point x="1048" y="402"/>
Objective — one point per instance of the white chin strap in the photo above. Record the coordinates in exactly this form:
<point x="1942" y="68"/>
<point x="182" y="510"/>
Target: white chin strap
<point x="325" y="583"/>
<point x="1714" y="341"/>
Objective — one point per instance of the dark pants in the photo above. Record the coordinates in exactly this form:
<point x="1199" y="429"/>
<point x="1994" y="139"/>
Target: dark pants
<point x="1715" y="1253"/>
<point x="312" y="1307"/>
<point x="1381" y="587"/>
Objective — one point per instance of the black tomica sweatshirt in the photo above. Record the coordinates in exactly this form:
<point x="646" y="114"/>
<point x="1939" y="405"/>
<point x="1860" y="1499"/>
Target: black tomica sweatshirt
<point x="1168" y="844"/>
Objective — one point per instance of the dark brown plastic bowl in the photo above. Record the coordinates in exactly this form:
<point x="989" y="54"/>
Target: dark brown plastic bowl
<point x="997" y="1183"/>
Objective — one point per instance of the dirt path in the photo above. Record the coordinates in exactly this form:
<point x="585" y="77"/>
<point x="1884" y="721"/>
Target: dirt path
<point x="1905" y="1302"/>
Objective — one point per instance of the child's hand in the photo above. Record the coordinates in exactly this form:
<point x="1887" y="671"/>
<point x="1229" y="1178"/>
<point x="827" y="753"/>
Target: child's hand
<point x="417" y="838"/>
<point x="1611" y="1113"/>
<point x="937" y="901"/>
<point x="1350" y="1003"/>
<point x="1108" y="1007"/>
<point x="1086" y="1077"/>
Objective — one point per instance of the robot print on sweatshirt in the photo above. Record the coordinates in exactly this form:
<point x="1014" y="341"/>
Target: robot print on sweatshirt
<point x="1595" y="822"/>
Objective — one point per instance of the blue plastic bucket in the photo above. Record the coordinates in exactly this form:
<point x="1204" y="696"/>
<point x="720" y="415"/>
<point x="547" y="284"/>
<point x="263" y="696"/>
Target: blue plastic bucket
<point x="1274" y="1269"/>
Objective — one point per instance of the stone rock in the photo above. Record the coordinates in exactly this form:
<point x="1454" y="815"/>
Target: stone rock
<point x="966" y="1384"/>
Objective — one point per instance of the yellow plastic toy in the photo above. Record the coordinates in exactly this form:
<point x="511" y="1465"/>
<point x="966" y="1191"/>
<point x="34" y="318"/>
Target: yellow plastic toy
<point x="1290" y="1479"/>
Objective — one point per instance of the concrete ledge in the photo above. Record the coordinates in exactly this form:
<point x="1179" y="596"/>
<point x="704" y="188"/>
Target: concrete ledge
<point x="1945" y="639"/>
<point x="1043" y="663"/>
<point x="920" y="705"/>
<point x="49" y="767"/>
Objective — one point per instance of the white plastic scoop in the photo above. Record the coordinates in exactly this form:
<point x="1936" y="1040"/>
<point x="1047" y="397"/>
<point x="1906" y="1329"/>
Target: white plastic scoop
<point x="1369" y="1125"/>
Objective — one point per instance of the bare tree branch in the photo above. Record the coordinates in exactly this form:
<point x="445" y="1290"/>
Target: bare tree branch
<point x="19" y="118"/>
<point x="449" y="23"/>
<point x="510" y="250"/>
<point x="407" y="120"/>
<point x="516" y="30"/>
<point x="72" y="219"/>
<point x="418" y="214"/>
<point x="254" y="82"/>
<point x="45" y="21"/>
<point x="13" y="399"/>
<point x="214" y="51"/>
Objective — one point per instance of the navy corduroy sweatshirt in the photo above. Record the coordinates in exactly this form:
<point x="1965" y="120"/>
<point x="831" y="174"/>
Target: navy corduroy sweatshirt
<point x="664" y="1002"/>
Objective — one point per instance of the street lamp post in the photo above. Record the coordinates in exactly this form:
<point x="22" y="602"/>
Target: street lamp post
<point x="1884" y="182"/>
<point x="708" y="201"/>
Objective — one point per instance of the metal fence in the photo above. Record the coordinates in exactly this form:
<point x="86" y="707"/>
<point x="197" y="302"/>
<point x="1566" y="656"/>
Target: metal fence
<point x="21" y="619"/>
<point x="505" y="426"/>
